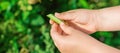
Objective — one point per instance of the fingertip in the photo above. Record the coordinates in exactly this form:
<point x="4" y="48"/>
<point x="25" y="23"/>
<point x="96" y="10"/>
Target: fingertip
<point x="51" y="22"/>
<point x="54" y="28"/>
<point x="60" y="15"/>
<point x="64" y="16"/>
<point x="57" y="14"/>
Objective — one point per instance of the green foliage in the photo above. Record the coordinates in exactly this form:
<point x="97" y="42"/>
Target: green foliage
<point x="24" y="27"/>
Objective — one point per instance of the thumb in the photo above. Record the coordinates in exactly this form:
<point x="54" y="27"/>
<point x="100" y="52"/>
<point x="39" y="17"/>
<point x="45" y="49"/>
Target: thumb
<point x="54" y="33"/>
<point x="64" y="16"/>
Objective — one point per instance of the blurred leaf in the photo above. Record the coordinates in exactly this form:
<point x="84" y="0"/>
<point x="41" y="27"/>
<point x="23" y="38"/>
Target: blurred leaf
<point x="115" y="2"/>
<point x="37" y="21"/>
<point x="20" y="27"/>
<point x="72" y="4"/>
<point x="4" y="5"/>
<point x="102" y="4"/>
<point x="83" y="3"/>
<point x="25" y="15"/>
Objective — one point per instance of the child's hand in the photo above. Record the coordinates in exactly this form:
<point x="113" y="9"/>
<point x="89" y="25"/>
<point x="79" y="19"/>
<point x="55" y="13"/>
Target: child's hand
<point x="70" y="40"/>
<point x="84" y="19"/>
<point x="90" y="21"/>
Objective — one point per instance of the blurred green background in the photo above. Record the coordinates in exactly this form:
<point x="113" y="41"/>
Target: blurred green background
<point x="24" y="27"/>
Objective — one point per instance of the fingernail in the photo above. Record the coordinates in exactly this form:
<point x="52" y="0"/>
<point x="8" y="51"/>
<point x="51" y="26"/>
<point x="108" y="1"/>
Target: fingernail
<point x="57" y="14"/>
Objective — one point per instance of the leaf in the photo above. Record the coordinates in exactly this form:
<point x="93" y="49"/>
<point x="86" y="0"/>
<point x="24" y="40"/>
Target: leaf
<point x="83" y="3"/>
<point x="20" y="27"/>
<point x="9" y="15"/>
<point x="38" y="20"/>
<point x="4" y="5"/>
<point x="72" y="4"/>
<point x="25" y="17"/>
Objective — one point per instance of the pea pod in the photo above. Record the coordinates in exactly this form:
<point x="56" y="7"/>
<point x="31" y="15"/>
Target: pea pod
<point x="55" y="19"/>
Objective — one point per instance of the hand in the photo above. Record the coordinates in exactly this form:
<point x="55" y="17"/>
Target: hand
<point x="85" y="20"/>
<point x="70" y="40"/>
<point x="90" y="21"/>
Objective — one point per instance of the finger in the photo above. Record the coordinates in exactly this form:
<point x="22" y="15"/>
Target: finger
<point x="80" y="27"/>
<point x="67" y="29"/>
<point x="64" y="16"/>
<point x="51" y="22"/>
<point x="54" y="33"/>
<point x="59" y="30"/>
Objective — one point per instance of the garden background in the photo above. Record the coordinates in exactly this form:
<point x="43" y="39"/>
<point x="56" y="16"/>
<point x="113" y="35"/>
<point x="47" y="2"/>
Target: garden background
<point x="24" y="27"/>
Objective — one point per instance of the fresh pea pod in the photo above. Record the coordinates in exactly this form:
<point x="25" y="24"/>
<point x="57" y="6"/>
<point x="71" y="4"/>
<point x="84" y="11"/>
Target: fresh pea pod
<point x="55" y="19"/>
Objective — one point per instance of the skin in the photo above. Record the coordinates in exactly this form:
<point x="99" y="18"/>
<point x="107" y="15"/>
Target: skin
<point x="73" y="37"/>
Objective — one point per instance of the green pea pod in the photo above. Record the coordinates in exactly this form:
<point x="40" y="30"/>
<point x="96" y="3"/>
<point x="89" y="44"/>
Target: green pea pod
<point x="55" y="19"/>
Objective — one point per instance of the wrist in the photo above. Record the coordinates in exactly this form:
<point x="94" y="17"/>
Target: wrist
<point x="96" y="14"/>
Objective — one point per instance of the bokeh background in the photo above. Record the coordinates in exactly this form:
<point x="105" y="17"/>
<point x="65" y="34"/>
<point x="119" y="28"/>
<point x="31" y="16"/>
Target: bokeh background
<point x="24" y="27"/>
